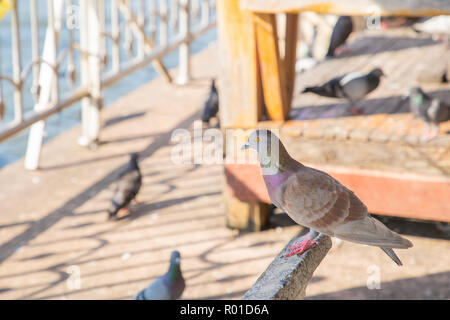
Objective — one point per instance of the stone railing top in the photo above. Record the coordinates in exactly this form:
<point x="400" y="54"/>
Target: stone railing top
<point x="287" y="278"/>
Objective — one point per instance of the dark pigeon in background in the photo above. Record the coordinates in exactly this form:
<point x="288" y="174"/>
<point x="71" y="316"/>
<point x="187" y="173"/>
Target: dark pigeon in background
<point x="211" y="104"/>
<point x="428" y="109"/>
<point x="314" y="199"/>
<point x="341" y="31"/>
<point x="352" y="86"/>
<point x="169" y="286"/>
<point x="127" y="187"/>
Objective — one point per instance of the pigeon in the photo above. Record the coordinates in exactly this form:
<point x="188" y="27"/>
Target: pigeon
<point x="127" y="187"/>
<point x="169" y="286"/>
<point x="314" y="199"/>
<point x="352" y="86"/>
<point x="341" y="31"/>
<point x="211" y="106"/>
<point x="428" y="109"/>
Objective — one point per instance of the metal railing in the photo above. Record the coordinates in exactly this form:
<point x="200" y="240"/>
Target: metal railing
<point x="102" y="41"/>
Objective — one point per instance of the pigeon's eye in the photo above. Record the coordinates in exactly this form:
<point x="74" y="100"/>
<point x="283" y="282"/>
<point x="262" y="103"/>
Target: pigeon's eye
<point x="257" y="139"/>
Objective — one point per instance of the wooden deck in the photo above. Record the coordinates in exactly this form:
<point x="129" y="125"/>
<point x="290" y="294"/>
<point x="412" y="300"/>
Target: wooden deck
<point x="379" y="155"/>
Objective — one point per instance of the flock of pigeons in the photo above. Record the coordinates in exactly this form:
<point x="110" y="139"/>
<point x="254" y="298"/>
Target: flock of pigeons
<point x="129" y="181"/>
<point x="355" y="86"/>
<point x="343" y="214"/>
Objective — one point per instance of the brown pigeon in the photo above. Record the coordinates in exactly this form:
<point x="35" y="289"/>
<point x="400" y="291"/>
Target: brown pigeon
<point x="314" y="199"/>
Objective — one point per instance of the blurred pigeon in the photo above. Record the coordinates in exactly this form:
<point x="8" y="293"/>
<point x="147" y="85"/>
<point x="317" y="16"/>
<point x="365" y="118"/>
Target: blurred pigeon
<point x="352" y="86"/>
<point x="341" y="31"/>
<point x="211" y="104"/>
<point x="314" y="199"/>
<point x="390" y="22"/>
<point x="429" y="109"/>
<point x="169" y="286"/>
<point x="128" y="185"/>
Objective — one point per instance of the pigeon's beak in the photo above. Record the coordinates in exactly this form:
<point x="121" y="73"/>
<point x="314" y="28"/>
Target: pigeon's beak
<point x="245" y="146"/>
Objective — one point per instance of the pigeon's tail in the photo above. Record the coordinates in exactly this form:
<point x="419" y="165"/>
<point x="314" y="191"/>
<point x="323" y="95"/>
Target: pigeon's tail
<point x="140" y="295"/>
<point x="392" y="255"/>
<point x="316" y="90"/>
<point x="112" y="210"/>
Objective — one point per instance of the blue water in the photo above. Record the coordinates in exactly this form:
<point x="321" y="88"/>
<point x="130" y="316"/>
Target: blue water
<point x="14" y="148"/>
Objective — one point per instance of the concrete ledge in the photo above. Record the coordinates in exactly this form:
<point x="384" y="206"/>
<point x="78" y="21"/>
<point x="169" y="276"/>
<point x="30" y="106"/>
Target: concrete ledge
<point x="287" y="278"/>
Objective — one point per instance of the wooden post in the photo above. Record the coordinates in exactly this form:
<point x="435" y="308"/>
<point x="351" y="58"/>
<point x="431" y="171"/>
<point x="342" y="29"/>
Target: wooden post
<point x="290" y="56"/>
<point x="240" y="97"/>
<point x="272" y="69"/>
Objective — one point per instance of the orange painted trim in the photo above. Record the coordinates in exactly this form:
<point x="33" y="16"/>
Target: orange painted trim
<point x="394" y="194"/>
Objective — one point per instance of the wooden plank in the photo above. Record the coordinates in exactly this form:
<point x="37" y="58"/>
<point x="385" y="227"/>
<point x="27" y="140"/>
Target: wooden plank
<point x="290" y="56"/>
<point x="403" y="195"/>
<point x="351" y="7"/>
<point x="239" y="84"/>
<point x="272" y="72"/>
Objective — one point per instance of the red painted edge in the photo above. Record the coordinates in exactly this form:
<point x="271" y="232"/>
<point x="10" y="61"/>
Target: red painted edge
<point x="403" y="195"/>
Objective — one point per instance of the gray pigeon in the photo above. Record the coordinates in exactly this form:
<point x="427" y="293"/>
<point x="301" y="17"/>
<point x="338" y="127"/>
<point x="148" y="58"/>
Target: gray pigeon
<point x="341" y="31"/>
<point x="428" y="109"/>
<point x="352" y="86"/>
<point x="211" y="106"/>
<point x="169" y="286"/>
<point x="316" y="200"/>
<point x="127" y="187"/>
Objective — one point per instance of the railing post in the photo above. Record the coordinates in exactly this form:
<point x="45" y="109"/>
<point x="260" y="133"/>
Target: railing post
<point x="184" y="68"/>
<point x="47" y="83"/>
<point x="90" y="73"/>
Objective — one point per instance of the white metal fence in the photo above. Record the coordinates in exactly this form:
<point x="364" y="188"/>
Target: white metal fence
<point x="104" y="41"/>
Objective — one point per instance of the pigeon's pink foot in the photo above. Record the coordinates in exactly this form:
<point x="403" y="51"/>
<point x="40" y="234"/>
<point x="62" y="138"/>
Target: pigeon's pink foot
<point x="356" y="111"/>
<point x="339" y="51"/>
<point x="300" y="247"/>
<point x="124" y="211"/>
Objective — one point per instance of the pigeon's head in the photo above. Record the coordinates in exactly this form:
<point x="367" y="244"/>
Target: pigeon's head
<point x="175" y="257"/>
<point x="261" y="140"/>
<point x="377" y="72"/>
<point x="213" y="85"/>
<point x="415" y="90"/>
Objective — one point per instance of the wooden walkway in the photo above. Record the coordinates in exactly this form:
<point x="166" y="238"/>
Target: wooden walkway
<point x="386" y="127"/>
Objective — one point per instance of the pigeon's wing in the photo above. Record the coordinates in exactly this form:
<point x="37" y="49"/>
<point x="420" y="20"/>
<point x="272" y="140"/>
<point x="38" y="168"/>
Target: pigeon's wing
<point x="325" y="205"/>
<point x="438" y="111"/>
<point x="354" y="86"/>
<point x="342" y="29"/>
<point x="127" y="187"/>
<point x="155" y="291"/>
<point x="316" y="200"/>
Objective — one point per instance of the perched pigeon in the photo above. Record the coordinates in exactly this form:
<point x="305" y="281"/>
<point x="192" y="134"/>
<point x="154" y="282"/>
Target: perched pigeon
<point x="352" y="86"/>
<point x="428" y="109"/>
<point x="128" y="185"/>
<point x="314" y="199"/>
<point x="211" y="104"/>
<point x="169" y="286"/>
<point x="341" y="31"/>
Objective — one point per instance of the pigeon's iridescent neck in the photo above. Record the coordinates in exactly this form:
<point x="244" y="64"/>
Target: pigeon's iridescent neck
<point x="274" y="180"/>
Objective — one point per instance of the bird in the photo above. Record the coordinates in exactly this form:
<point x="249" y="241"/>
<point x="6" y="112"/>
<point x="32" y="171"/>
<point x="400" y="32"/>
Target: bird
<point x="127" y="186"/>
<point x="430" y="110"/>
<point x="351" y="86"/>
<point x="341" y="31"/>
<point x="169" y="286"/>
<point x="314" y="199"/>
<point x="211" y="105"/>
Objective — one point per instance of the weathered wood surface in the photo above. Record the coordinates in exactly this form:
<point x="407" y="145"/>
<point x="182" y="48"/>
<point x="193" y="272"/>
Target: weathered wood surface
<point x="351" y="7"/>
<point x="240" y="90"/>
<point x="287" y="278"/>
<point x="384" y="192"/>
<point x="272" y="69"/>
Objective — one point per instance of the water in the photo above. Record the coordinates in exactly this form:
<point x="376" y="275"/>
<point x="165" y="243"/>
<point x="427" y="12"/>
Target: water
<point x="14" y="148"/>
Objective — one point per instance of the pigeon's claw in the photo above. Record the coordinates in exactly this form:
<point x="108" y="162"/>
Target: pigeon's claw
<point x="300" y="247"/>
<point x="356" y="111"/>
